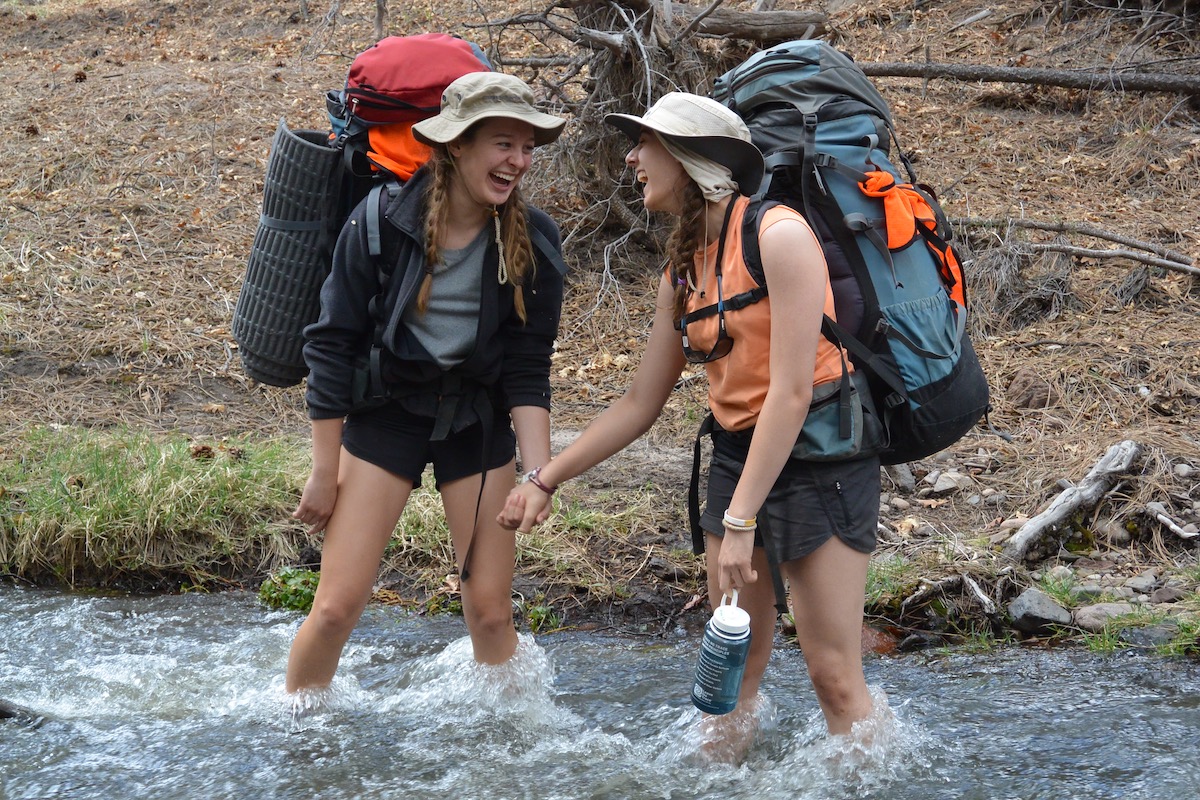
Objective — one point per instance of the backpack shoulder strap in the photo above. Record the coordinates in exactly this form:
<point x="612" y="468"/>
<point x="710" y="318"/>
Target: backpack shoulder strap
<point x="751" y="222"/>
<point x="384" y="251"/>
<point x="374" y="237"/>
<point x="542" y="244"/>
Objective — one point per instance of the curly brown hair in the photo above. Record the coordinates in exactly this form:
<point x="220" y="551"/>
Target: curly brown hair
<point x="684" y="241"/>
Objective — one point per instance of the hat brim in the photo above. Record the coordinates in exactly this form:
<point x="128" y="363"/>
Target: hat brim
<point x="741" y="157"/>
<point x="440" y="130"/>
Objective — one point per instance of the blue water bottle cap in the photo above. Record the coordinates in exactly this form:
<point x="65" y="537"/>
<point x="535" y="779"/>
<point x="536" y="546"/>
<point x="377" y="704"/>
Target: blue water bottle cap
<point x="729" y="618"/>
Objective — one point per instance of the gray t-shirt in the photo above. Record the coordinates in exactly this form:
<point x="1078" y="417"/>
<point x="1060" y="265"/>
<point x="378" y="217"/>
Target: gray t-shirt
<point x="450" y="323"/>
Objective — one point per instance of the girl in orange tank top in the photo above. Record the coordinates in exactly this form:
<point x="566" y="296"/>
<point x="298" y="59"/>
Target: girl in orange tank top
<point x="696" y="162"/>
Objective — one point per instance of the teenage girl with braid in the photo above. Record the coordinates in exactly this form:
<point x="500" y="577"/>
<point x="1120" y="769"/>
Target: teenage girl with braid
<point x="460" y="335"/>
<point x="696" y="161"/>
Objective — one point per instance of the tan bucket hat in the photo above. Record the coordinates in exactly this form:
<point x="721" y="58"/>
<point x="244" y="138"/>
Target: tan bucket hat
<point x="703" y="126"/>
<point x="481" y="95"/>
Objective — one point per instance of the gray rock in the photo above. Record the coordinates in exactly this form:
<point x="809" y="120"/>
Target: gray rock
<point x="1113" y="531"/>
<point x="1060" y="573"/>
<point x="902" y="476"/>
<point x="1150" y="636"/>
<point x="1034" y="611"/>
<point x="1142" y="584"/>
<point x="1094" y="618"/>
<point x="952" y="481"/>
<point x="1168" y="594"/>
<point x="1086" y="591"/>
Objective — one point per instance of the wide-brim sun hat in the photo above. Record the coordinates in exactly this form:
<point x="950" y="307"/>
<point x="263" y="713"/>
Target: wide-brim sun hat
<point x="703" y="126"/>
<point x="477" y="96"/>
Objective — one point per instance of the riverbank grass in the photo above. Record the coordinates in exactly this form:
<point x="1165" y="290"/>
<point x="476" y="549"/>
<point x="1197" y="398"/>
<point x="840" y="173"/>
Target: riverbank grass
<point x="128" y="509"/>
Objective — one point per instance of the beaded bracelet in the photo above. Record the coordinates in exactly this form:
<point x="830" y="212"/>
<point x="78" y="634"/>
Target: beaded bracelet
<point x="532" y="477"/>
<point x="735" y="524"/>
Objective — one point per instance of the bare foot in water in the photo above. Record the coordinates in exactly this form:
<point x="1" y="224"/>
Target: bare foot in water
<point x="727" y="739"/>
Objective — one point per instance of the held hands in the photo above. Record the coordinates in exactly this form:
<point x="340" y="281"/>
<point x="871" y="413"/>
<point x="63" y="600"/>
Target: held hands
<point x="316" y="503"/>
<point x="526" y="506"/>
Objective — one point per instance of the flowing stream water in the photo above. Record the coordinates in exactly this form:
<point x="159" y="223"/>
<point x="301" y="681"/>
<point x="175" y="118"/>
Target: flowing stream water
<point x="182" y="697"/>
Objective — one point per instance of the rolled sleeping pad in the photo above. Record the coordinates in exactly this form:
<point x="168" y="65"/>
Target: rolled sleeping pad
<point x="290" y="256"/>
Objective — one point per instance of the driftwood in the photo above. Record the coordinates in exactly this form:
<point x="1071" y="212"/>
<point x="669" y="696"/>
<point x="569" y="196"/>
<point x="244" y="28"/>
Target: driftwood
<point x="1099" y="480"/>
<point x="1159" y="512"/>
<point x="1067" y="79"/>
<point x="763" y="26"/>
<point x="930" y="588"/>
<point x="986" y="603"/>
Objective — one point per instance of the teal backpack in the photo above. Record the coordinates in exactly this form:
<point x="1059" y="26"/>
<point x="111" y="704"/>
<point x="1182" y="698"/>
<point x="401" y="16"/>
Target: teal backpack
<point x="900" y="293"/>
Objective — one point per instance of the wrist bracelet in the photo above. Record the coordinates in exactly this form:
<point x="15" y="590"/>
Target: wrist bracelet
<point x="740" y="524"/>
<point x="532" y="477"/>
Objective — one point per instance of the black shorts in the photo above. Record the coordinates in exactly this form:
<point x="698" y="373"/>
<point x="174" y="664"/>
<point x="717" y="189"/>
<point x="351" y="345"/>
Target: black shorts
<point x="400" y="442"/>
<point x="810" y="501"/>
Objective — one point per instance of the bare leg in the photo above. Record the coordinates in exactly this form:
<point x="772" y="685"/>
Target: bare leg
<point x="370" y="501"/>
<point x="827" y="590"/>
<point x="487" y="593"/>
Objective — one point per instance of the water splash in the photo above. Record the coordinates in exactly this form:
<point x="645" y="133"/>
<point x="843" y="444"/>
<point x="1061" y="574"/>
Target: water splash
<point x="698" y="739"/>
<point x="748" y="747"/>
<point x="454" y="677"/>
<point x="308" y="708"/>
<point x="877" y="755"/>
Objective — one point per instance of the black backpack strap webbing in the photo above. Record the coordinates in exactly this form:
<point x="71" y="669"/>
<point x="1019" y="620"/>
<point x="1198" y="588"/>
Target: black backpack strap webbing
<point x="706" y="429"/>
<point x="384" y="251"/>
<point x="483" y="408"/>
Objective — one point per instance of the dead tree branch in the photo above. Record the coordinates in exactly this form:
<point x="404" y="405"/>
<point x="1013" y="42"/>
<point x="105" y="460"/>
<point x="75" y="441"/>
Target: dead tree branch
<point x="1074" y="227"/>
<point x="1085" y="252"/>
<point x="1088" y="494"/>
<point x="1067" y="79"/>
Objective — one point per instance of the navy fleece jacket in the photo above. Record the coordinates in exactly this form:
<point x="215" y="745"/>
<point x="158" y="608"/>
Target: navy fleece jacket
<point x="510" y="356"/>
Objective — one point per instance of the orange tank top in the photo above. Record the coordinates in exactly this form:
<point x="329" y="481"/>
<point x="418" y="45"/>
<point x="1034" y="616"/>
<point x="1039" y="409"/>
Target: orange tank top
<point x="737" y="383"/>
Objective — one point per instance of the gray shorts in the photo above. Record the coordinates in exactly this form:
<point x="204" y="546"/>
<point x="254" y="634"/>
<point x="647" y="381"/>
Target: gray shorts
<point x="810" y="501"/>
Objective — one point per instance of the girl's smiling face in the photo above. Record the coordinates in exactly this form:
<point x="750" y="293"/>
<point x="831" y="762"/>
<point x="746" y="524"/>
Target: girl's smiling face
<point x="492" y="158"/>
<point x="660" y="171"/>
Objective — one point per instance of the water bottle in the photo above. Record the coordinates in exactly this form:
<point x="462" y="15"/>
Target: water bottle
<point x="722" y="658"/>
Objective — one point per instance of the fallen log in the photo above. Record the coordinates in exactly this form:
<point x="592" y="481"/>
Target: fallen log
<point x="767" y="26"/>
<point x="1090" y="491"/>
